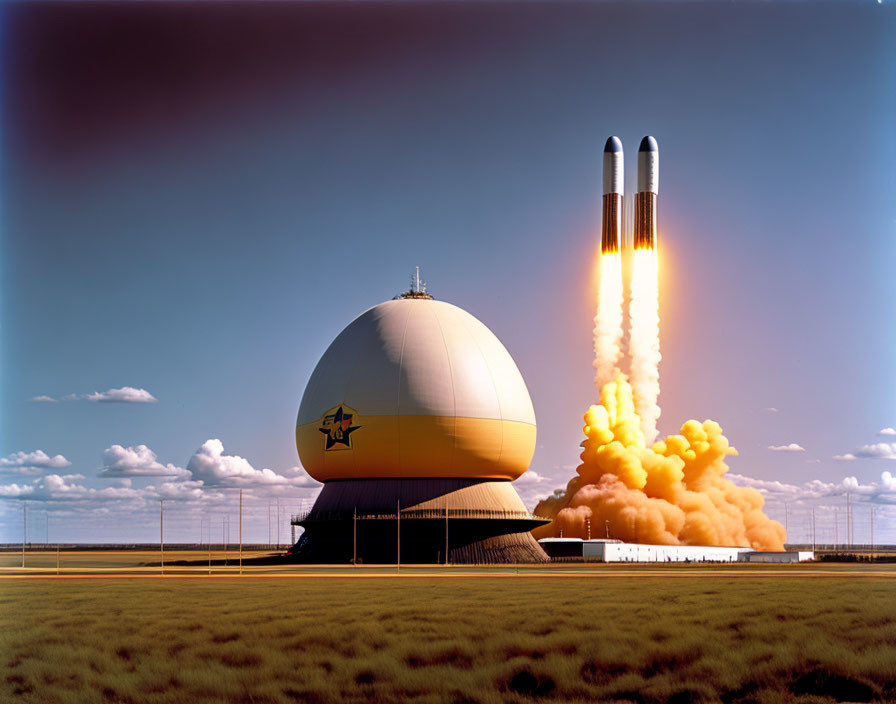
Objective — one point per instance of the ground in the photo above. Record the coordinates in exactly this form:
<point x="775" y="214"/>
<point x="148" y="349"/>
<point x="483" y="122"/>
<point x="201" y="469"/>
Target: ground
<point x="808" y="633"/>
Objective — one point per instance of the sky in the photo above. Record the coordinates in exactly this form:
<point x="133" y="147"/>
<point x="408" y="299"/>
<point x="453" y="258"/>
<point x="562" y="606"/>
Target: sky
<point x="197" y="198"/>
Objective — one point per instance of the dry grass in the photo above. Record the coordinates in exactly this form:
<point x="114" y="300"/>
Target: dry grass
<point x="640" y="639"/>
<point x="114" y="559"/>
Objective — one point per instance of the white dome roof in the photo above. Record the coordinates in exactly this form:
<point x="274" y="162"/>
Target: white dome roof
<point x="416" y="388"/>
<point x="412" y="357"/>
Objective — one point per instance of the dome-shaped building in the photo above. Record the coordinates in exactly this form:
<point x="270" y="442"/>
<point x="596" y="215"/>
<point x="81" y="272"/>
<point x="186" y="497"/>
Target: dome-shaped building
<point x="430" y="392"/>
<point x="417" y="414"/>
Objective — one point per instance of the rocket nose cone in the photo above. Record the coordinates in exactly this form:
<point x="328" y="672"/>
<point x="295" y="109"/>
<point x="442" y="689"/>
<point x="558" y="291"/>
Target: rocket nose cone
<point x="648" y="144"/>
<point x="614" y="144"/>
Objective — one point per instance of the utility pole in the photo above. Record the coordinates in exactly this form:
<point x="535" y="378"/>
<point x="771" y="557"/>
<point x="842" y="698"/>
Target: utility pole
<point x="398" y="539"/>
<point x="848" y="520"/>
<point x="836" y="526"/>
<point x="588" y="528"/>
<point x="872" y="529"/>
<point x="269" y="525"/>
<point x="813" y="529"/>
<point x="241" y="531"/>
<point x="786" y="523"/>
<point x="162" y="532"/>
<point x="278" y="522"/>
<point x="446" y="532"/>
<point x="355" y="537"/>
<point x="607" y="527"/>
<point x="24" y="530"/>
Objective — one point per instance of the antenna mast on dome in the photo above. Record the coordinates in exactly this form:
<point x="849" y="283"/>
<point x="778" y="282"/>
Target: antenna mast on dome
<point x="418" y="287"/>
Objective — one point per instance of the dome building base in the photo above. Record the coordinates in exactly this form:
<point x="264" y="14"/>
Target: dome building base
<point x="470" y="520"/>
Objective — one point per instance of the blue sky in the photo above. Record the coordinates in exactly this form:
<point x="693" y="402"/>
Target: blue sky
<point x="196" y="200"/>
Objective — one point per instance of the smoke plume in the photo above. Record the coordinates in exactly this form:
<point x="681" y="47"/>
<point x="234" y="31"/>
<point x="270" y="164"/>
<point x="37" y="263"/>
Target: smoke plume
<point x="608" y="320"/>
<point x="644" y="340"/>
<point x="671" y="493"/>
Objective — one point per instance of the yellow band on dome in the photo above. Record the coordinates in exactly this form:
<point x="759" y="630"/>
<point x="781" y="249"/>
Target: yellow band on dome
<point x="418" y="446"/>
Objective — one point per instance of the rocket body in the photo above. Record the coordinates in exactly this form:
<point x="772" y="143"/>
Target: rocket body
<point x="611" y="224"/>
<point x="645" y="198"/>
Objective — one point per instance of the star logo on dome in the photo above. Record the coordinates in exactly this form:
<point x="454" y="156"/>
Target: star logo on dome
<point x="337" y="426"/>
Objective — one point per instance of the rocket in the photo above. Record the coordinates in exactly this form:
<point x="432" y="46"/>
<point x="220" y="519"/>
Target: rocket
<point x="645" y="198"/>
<point x="611" y="225"/>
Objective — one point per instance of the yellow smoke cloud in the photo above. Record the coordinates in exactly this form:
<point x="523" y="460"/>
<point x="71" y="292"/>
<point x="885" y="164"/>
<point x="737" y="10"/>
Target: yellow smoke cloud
<point x="672" y="493"/>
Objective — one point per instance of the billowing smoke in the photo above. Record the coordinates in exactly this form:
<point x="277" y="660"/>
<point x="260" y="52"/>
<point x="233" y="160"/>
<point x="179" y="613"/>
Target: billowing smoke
<point x="608" y="320"/>
<point x="671" y="493"/>
<point x="644" y="339"/>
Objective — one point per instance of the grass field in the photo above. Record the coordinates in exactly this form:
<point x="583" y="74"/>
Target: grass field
<point x="130" y="560"/>
<point x="488" y="639"/>
<point x="146" y="563"/>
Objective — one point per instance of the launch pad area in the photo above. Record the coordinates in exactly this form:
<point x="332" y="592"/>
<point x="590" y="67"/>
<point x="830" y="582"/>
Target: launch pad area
<point x="192" y="562"/>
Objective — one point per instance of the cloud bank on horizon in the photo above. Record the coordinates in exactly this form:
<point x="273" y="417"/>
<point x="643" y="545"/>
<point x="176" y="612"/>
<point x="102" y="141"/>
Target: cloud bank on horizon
<point x="883" y="492"/>
<point x="208" y="472"/>
<point x="206" y="486"/>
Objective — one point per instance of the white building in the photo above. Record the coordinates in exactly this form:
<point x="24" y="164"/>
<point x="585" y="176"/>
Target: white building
<point x="801" y="556"/>
<point x="618" y="551"/>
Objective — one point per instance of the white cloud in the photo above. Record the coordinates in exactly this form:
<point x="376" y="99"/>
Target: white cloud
<point x="762" y="485"/>
<point x="137" y="461"/>
<point x="792" y="447"/>
<point x="887" y="431"/>
<point x="213" y="467"/>
<point x="298" y="477"/>
<point x="533" y="487"/>
<point x="178" y="491"/>
<point x="530" y="477"/>
<point x="880" y="450"/>
<point x="66" y="487"/>
<point x="770" y="409"/>
<point x="888" y="481"/>
<point x="30" y="462"/>
<point x="877" y="451"/>
<point x="882" y="492"/>
<point x="126" y="394"/>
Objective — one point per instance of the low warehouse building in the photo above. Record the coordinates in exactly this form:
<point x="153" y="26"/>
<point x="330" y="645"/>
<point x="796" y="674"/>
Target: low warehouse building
<point x="801" y="556"/>
<point x="618" y="551"/>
